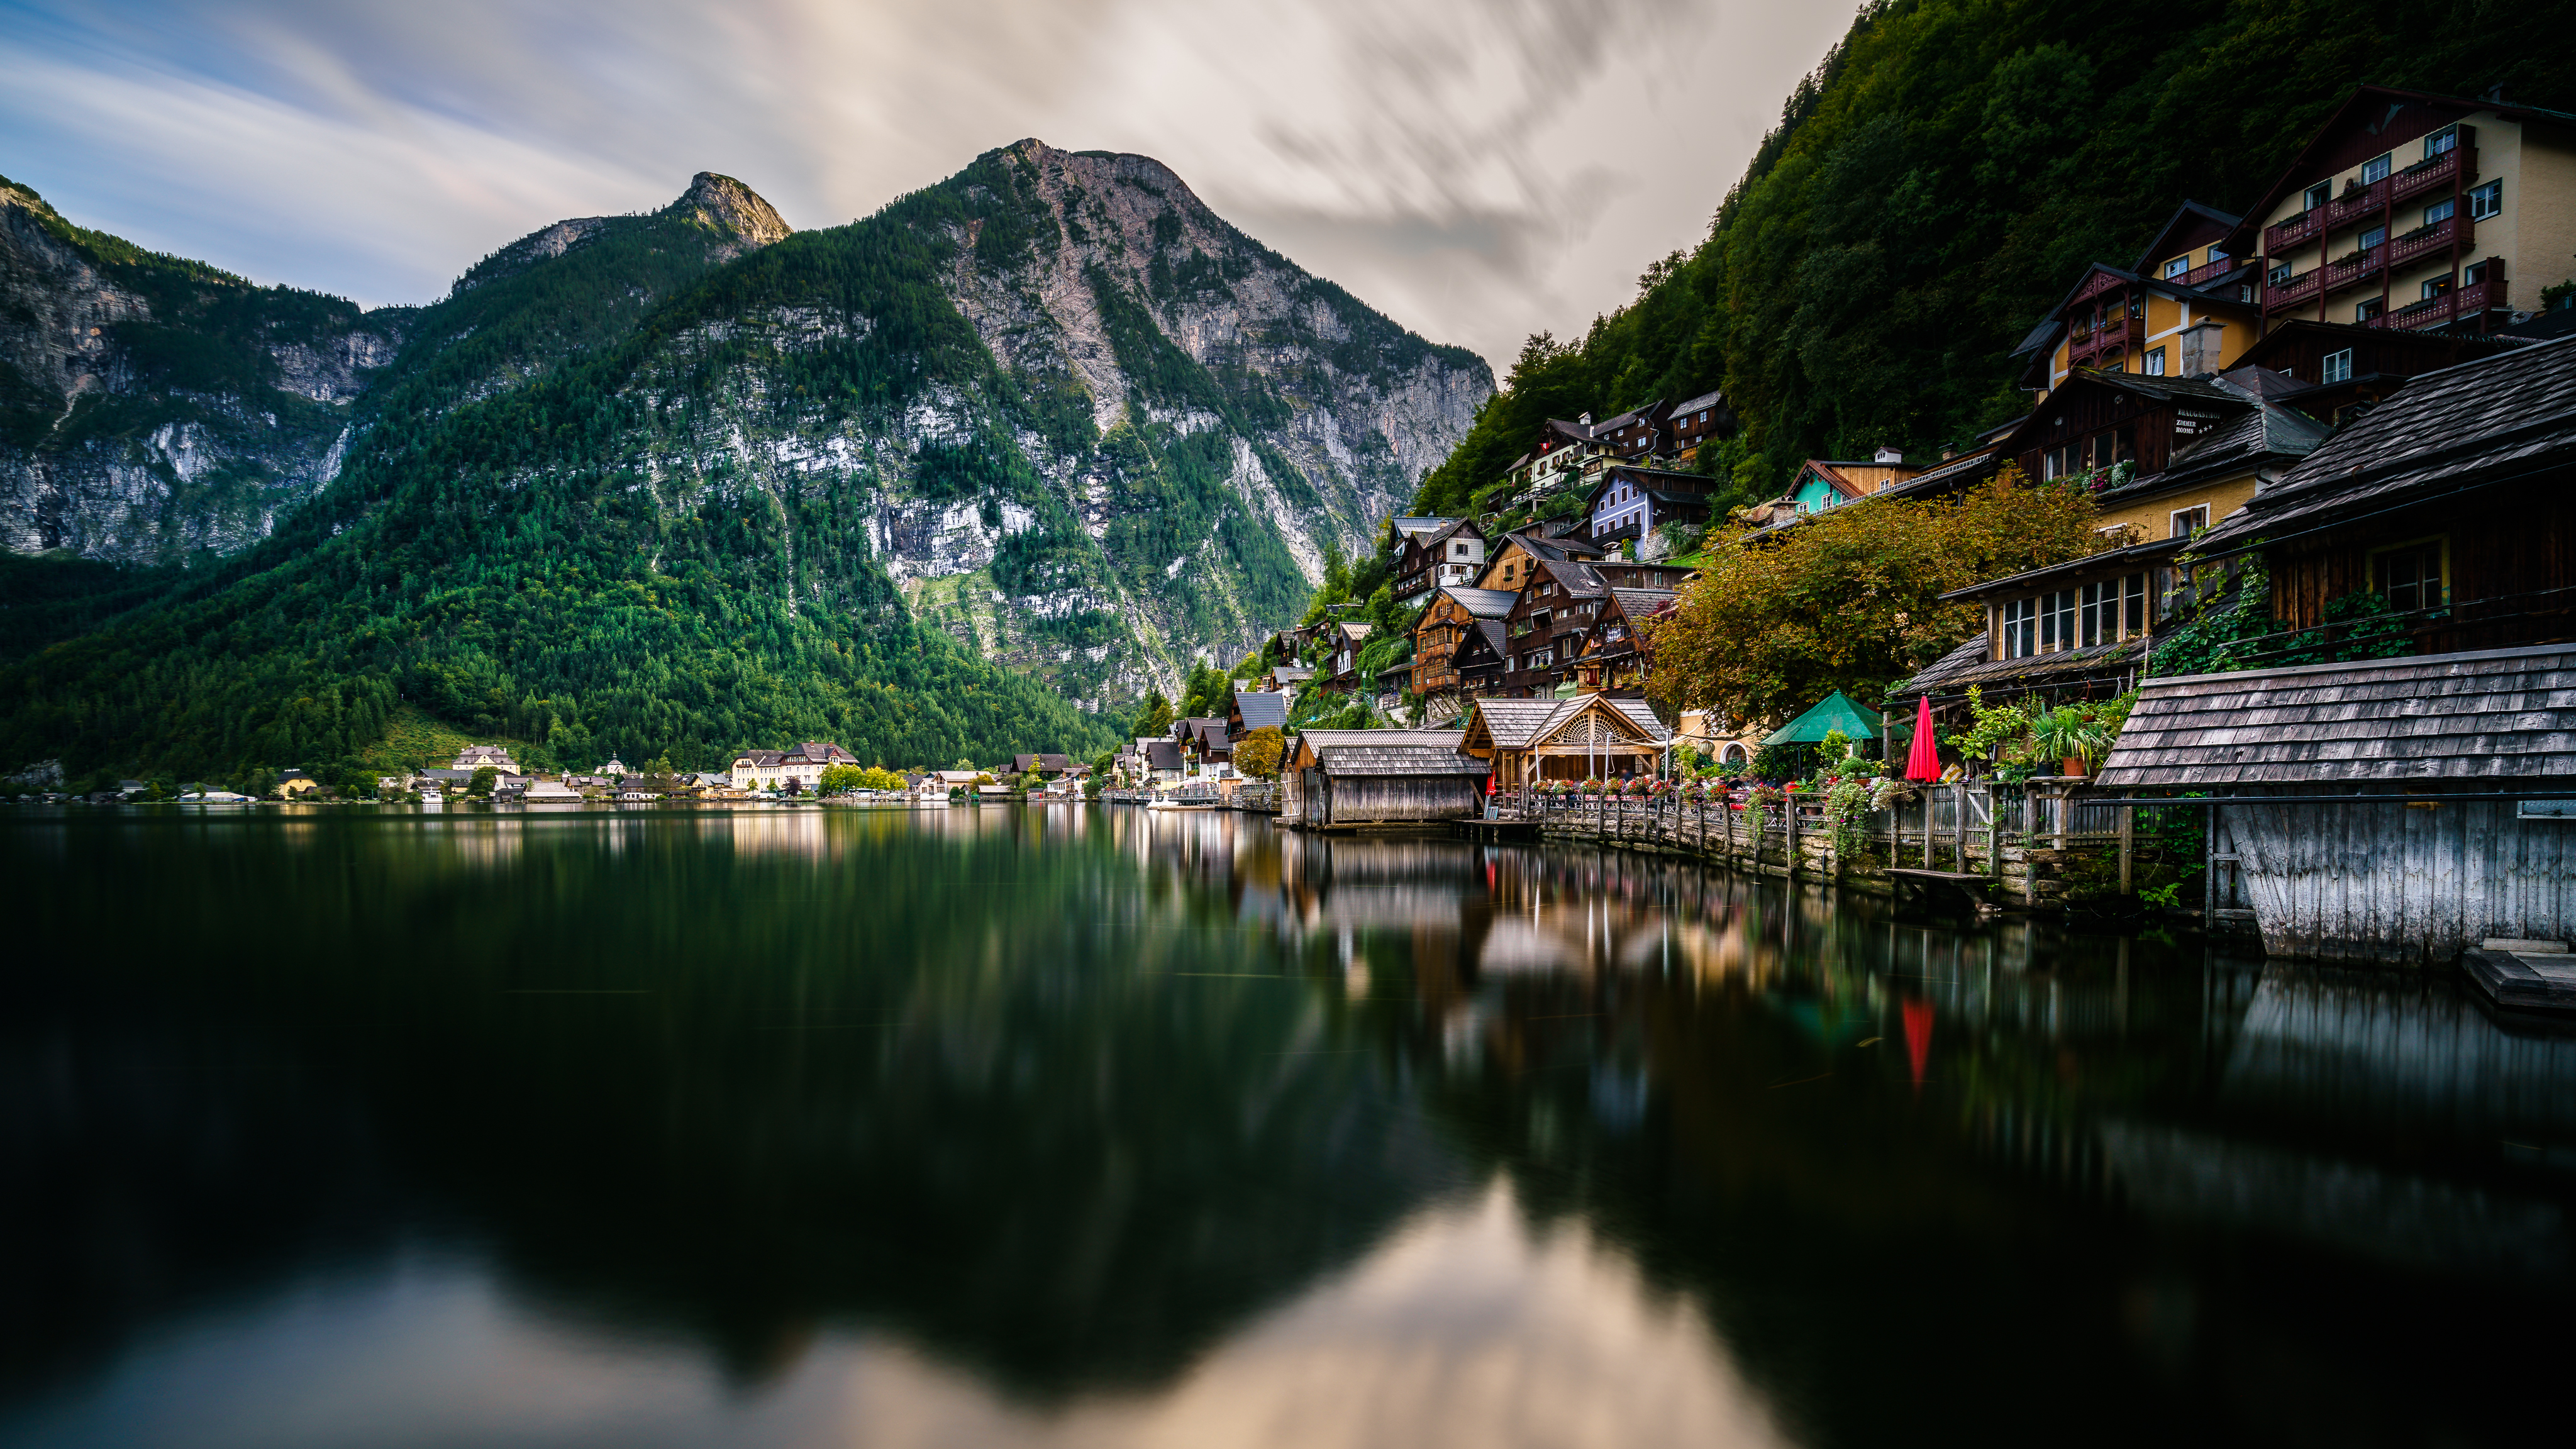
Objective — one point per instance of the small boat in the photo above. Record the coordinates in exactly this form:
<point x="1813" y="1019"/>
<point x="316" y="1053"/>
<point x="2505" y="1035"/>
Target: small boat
<point x="1182" y="802"/>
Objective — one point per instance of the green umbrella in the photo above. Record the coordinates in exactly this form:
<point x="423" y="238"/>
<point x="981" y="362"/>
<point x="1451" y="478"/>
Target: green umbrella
<point x="1834" y="712"/>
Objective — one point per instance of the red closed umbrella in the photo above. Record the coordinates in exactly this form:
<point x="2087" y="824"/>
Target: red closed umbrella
<point x="1923" y="762"/>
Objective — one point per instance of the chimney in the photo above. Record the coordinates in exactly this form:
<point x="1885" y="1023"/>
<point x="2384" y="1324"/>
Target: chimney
<point x="1586" y="420"/>
<point x="1889" y="455"/>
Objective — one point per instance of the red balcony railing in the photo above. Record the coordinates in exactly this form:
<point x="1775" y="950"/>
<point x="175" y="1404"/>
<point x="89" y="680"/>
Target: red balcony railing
<point x="2440" y="173"/>
<point x="2202" y="276"/>
<point x="2307" y="226"/>
<point x="2350" y="271"/>
<point x="2451" y="306"/>
<point x="2297" y="291"/>
<point x="2435" y="238"/>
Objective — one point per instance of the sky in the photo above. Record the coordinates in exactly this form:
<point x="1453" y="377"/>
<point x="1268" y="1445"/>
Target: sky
<point x="1479" y="170"/>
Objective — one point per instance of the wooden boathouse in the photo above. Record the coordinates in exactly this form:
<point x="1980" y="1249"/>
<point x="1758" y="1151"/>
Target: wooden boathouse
<point x="1346" y="779"/>
<point x="2394" y="811"/>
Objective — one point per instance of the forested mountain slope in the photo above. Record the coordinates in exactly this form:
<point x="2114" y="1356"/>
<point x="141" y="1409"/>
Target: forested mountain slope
<point x="664" y="484"/>
<point x="1940" y="181"/>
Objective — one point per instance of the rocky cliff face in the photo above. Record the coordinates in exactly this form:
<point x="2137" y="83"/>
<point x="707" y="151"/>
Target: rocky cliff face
<point x="1054" y="405"/>
<point x="150" y="407"/>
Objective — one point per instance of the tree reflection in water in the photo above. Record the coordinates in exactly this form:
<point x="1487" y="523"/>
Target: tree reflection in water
<point x="1084" y="1125"/>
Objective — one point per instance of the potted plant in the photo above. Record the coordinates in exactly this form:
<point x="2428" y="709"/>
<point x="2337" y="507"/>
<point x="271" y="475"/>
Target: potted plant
<point x="2070" y="735"/>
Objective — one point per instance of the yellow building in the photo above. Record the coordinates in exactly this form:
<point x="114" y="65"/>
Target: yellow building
<point x="2410" y="209"/>
<point x="2190" y="305"/>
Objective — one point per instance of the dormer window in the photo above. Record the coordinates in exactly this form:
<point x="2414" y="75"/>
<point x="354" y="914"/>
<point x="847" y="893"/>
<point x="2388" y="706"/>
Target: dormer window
<point x="2177" y="266"/>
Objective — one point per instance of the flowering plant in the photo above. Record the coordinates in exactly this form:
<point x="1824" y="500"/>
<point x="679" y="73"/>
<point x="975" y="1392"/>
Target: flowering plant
<point x="1591" y="787"/>
<point x="1636" y="785"/>
<point x="1660" y="787"/>
<point x="1763" y="796"/>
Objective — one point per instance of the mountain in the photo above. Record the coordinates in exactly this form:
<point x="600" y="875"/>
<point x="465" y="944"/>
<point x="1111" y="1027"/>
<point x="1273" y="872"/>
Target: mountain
<point x="965" y="476"/>
<point x="1940" y="180"/>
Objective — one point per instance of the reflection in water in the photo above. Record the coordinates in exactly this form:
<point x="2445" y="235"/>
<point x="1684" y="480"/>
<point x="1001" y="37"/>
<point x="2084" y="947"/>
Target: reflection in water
<point x="1095" y="1126"/>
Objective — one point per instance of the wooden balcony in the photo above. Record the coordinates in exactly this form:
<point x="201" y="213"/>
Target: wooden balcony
<point x="2458" y="304"/>
<point x="2353" y="271"/>
<point x="2305" y="227"/>
<point x="2453" y="167"/>
<point x="2297" y="291"/>
<point x="2439" y="237"/>
<point x="2116" y="338"/>
<point x="2210" y="273"/>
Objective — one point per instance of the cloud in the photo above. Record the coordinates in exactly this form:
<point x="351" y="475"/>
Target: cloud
<point x="1478" y="170"/>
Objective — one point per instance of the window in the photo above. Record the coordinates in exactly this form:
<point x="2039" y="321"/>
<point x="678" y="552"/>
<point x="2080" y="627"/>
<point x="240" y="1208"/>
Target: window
<point x="2177" y="266"/>
<point x="2318" y="195"/>
<point x="2365" y="309"/>
<point x="2441" y="141"/>
<point x="2373" y="236"/>
<point x="2057" y="621"/>
<point x="2374" y="170"/>
<point x="2410" y="576"/>
<point x="2439" y="211"/>
<point x="2217" y="255"/>
<point x="2436" y="286"/>
<point x="2485" y="271"/>
<point x="2486" y="201"/>
<point x="2113" y="609"/>
<point x="2338" y="366"/>
<point x="2279" y="276"/>
<point x="1457" y="550"/>
<point x="2188" y="521"/>
<point x="2015" y="630"/>
<point x="2156" y="363"/>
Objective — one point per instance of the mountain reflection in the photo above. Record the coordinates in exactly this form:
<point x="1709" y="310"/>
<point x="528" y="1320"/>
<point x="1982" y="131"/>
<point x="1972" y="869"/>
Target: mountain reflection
<point x="1081" y="1125"/>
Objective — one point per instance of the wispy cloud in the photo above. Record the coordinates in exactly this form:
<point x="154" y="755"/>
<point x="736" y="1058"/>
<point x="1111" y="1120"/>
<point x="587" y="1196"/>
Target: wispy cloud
<point x="1479" y="170"/>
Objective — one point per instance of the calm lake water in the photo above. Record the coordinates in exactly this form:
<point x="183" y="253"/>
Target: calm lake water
<point x="1093" y="1127"/>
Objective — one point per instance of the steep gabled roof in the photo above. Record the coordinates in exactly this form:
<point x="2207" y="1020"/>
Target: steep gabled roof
<point x="1261" y="710"/>
<point x="2190" y="218"/>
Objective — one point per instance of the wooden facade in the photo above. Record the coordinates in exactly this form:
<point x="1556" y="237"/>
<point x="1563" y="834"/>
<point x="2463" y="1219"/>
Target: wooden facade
<point x="1589" y="736"/>
<point x="2371" y="827"/>
<point x="1339" y="779"/>
<point x="1448" y="622"/>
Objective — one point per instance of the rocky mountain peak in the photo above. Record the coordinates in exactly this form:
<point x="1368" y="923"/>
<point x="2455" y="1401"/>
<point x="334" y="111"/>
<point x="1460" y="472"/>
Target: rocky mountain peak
<point x="729" y="206"/>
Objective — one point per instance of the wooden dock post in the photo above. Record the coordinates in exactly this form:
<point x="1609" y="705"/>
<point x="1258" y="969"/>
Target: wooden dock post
<point x="2126" y="812"/>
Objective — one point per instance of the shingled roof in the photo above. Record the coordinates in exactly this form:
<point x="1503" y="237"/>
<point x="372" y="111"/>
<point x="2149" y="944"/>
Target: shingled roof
<point x="2490" y="421"/>
<point x="1261" y="710"/>
<point x="1483" y="603"/>
<point x="1390" y="752"/>
<point x="1516" y="723"/>
<point x="2493" y="716"/>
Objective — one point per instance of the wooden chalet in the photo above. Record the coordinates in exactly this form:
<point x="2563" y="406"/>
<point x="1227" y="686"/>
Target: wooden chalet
<point x="1697" y="420"/>
<point x="1044" y="766"/>
<point x="1447" y="623"/>
<point x="1204" y="740"/>
<point x="1613" y="658"/>
<point x="1554" y="462"/>
<point x="1480" y="660"/>
<point x="2386" y="813"/>
<point x="1340" y="779"/>
<point x="1449" y="557"/>
<point x="2454" y="502"/>
<point x="1518" y="554"/>
<point x="1585" y="737"/>
<point x="1554" y="613"/>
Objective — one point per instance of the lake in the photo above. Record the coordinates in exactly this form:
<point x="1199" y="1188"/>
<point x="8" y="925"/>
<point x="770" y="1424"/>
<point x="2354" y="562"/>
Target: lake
<point x="1088" y="1126"/>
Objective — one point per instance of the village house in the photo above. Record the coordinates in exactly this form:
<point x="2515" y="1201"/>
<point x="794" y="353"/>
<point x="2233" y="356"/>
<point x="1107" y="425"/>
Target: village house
<point x="1521" y="551"/>
<point x="1254" y="709"/>
<point x="2188" y="306"/>
<point x="1544" y="632"/>
<point x="549" y="792"/>
<point x="1629" y="504"/>
<point x="1286" y="678"/>
<point x="1823" y="484"/>
<point x="1584" y="737"/>
<point x="1206" y="747"/>
<point x="2410" y="209"/>
<point x="1613" y="658"/>
<point x="475" y="757"/>
<point x="798" y="771"/>
<point x="1694" y="421"/>
<point x="2407" y="807"/>
<point x="1046" y="767"/>
<point x="1340" y="669"/>
<point x="2166" y="458"/>
<point x="1554" y="463"/>
<point x="1447" y="622"/>
<point x="1452" y="556"/>
<point x="1480" y="660"/>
